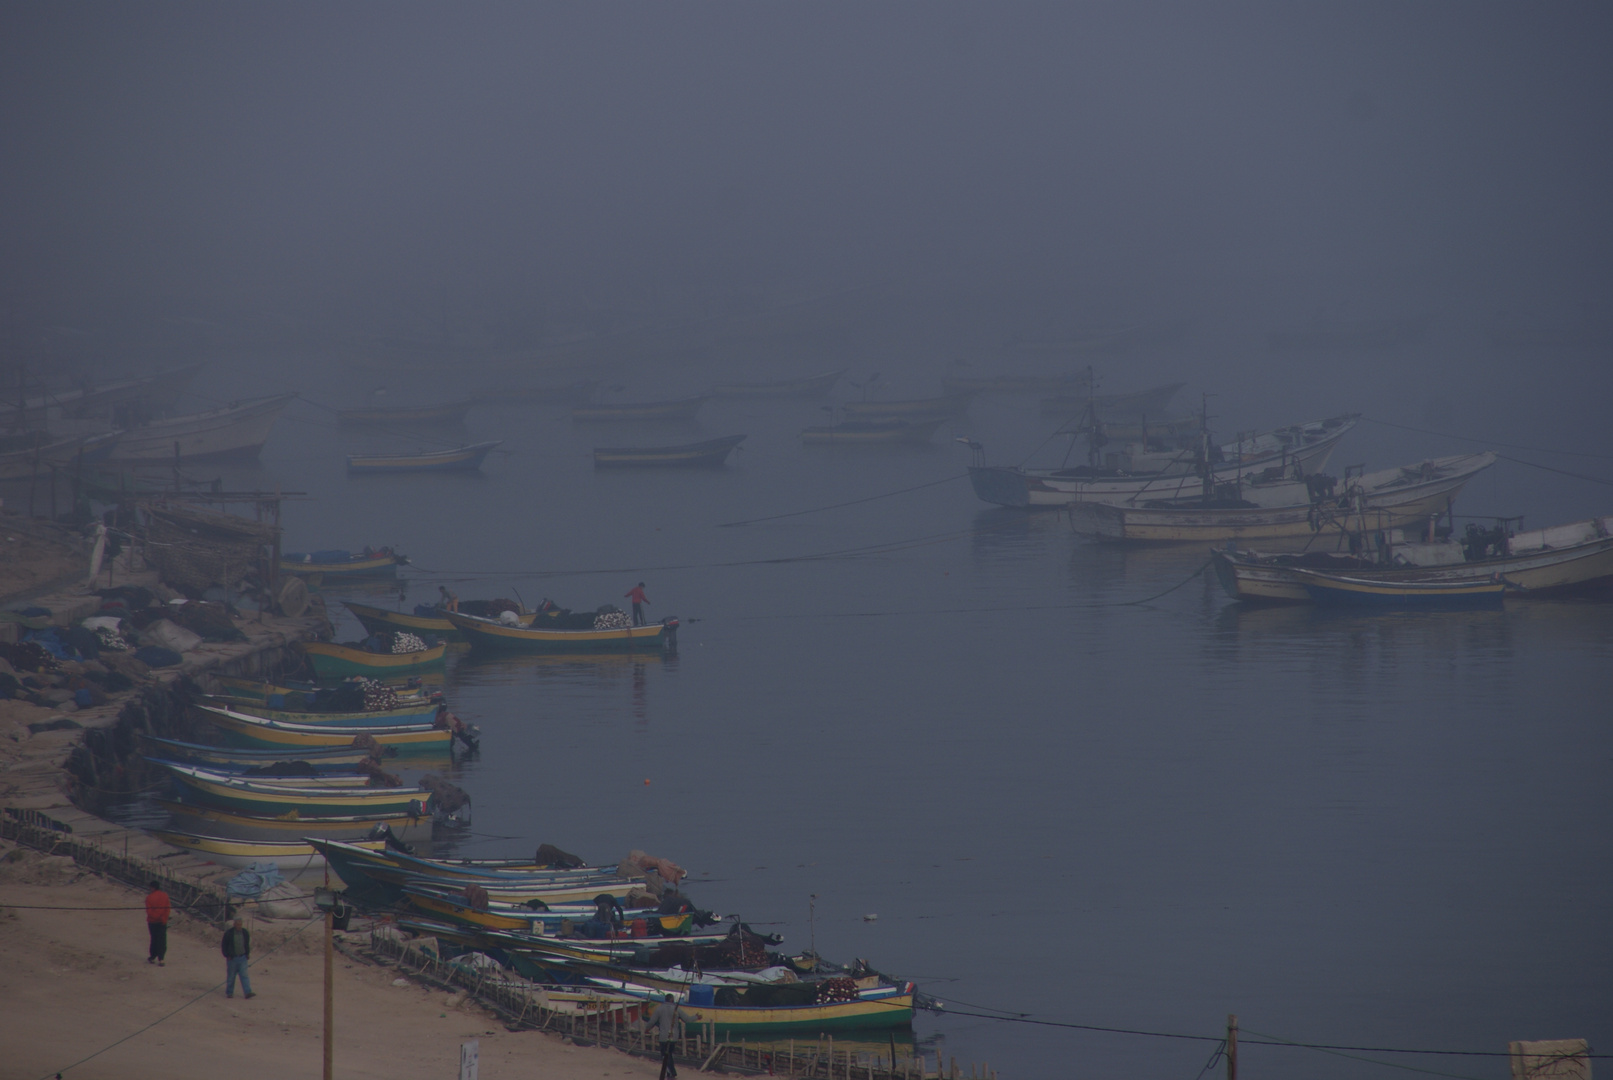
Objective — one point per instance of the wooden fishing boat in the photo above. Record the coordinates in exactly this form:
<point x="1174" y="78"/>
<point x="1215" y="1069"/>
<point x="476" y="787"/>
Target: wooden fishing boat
<point x="339" y="565"/>
<point x="261" y="691"/>
<point x="949" y="406"/>
<point x="682" y="409"/>
<point x="335" y="661"/>
<point x="494" y="635"/>
<point x="452" y="412"/>
<point x="1295" y="450"/>
<point x="1381" y="500"/>
<point x="446" y="902"/>
<point x="864" y="432"/>
<point x="1338" y="590"/>
<point x="1153" y="401"/>
<point x="294" y="855"/>
<point x="253" y="732"/>
<point x="1564" y="559"/>
<point x="380" y="877"/>
<point x="809" y="387"/>
<point x="707" y="454"/>
<point x="240" y="760"/>
<point x="419" y="711"/>
<point x="292" y="827"/>
<point x="460" y="459"/>
<point x="238" y="430"/>
<point x="877" y="1007"/>
<point x="323" y="798"/>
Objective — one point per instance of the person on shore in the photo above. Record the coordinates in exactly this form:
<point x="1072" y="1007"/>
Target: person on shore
<point x="157" y="909"/>
<point x="636" y="594"/>
<point x="237" y="949"/>
<point x="664" y="1022"/>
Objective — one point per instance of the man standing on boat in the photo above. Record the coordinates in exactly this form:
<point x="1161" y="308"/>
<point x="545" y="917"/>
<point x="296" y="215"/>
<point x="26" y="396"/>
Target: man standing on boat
<point x="450" y="602"/>
<point x="664" y="1021"/>
<point x="157" y="925"/>
<point x="636" y="594"/>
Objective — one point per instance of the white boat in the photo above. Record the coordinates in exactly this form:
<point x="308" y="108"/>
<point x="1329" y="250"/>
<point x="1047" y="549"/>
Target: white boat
<point x="151" y="392"/>
<point x="1367" y="503"/>
<point x="1132" y="476"/>
<point x="237" y="430"/>
<point x="1577" y="557"/>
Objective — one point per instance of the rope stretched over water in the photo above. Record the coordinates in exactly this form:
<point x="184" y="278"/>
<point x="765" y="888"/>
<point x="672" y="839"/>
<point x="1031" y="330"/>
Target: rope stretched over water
<point x="1488" y="442"/>
<point x="1560" y="472"/>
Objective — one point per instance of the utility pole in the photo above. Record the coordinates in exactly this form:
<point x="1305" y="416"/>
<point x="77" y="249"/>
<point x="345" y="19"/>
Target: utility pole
<point x="1232" y="1047"/>
<point x="325" y="900"/>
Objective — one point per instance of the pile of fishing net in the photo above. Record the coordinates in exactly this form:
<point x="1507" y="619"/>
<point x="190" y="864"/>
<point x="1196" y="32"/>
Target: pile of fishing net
<point x="837" y="989"/>
<point x="405" y="642"/>
<point x="378" y="695"/>
<point x="612" y="620"/>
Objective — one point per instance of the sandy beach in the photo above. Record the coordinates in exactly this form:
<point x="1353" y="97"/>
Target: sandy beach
<point x="75" y="982"/>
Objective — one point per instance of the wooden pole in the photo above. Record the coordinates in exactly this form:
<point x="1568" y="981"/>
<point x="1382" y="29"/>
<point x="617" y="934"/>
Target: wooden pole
<point x="330" y="1013"/>
<point x="1232" y="1046"/>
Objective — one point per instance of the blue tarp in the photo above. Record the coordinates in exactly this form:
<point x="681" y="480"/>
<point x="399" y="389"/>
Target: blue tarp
<point x="255" y="880"/>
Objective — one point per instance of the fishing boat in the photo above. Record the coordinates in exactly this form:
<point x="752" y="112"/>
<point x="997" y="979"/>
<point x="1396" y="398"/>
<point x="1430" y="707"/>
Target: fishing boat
<point x="380" y="877"/>
<point x="1563" y="559"/>
<point x="380" y="621"/>
<point x="910" y="408"/>
<point x="810" y="387"/>
<point x="292" y="827"/>
<point x="331" y="660"/>
<point x="682" y="409"/>
<point x="448" y="902"/>
<point x="1339" y="590"/>
<point x="492" y="634"/>
<point x="1138" y="474"/>
<point x="418" y="711"/>
<point x="241" y="760"/>
<point x="707" y="454"/>
<point x="321" y="796"/>
<point x="460" y="459"/>
<point x="452" y="412"/>
<point x="264" y="692"/>
<point x="148" y="393"/>
<point x="336" y="564"/>
<point x="254" y="732"/>
<point x="294" y="855"/>
<point x="865" y="432"/>
<point x="1381" y="500"/>
<point x="1151" y="402"/>
<point x="874" y="1007"/>
<point x="232" y="431"/>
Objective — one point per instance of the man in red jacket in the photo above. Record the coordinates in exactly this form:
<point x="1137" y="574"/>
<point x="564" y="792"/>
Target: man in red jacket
<point x="157" y="924"/>
<point x="636" y="594"/>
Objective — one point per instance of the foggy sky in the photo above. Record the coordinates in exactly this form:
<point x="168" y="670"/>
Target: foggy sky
<point x="308" y="158"/>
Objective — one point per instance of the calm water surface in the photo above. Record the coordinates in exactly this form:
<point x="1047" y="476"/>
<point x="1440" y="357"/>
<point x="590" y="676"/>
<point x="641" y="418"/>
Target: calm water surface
<point x="1373" y="831"/>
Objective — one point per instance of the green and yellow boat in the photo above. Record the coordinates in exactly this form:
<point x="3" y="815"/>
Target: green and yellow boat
<point x="381" y="621"/>
<point x="254" y="732"/>
<point x="331" y="660"/>
<point x="292" y="855"/>
<point x="310" y="796"/>
<point x="292" y="826"/>
<point x="500" y="637"/>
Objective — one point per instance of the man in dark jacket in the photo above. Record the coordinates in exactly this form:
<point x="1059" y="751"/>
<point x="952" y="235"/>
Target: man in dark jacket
<point x="157" y="924"/>
<point x="237" y="949"/>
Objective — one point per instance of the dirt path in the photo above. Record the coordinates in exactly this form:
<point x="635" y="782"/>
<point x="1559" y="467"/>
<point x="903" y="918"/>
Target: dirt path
<point x="73" y="982"/>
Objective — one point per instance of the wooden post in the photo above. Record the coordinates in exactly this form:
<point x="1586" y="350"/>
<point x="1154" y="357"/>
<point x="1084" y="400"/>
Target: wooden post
<point x="1232" y="1046"/>
<point x="329" y="1006"/>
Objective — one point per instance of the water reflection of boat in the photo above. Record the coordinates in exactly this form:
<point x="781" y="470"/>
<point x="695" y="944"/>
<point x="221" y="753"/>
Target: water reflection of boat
<point x="948" y="406"/>
<point x="707" y="454"/>
<point x="460" y="459"/>
<point x="452" y="412"/>
<point x="681" y="409"/>
<point x="862" y="432"/>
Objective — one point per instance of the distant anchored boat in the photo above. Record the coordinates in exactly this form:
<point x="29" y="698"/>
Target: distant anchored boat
<point x="908" y="409"/>
<point x="462" y="459"/>
<point x="340" y="563"/>
<point x="238" y="430"/>
<point x="712" y="452"/>
<point x="857" y="432"/>
<point x="681" y="409"/>
<point x="811" y="386"/>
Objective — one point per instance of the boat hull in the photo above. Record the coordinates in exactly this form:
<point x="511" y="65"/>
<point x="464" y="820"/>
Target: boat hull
<point x="378" y="566"/>
<point x="493" y="636"/>
<point x="292" y="855"/>
<point x="269" y="800"/>
<point x="462" y="459"/>
<point x="332" y="661"/>
<point x="1334" y="591"/>
<point x="291" y="828"/>
<point x="649" y="410"/>
<point x="415" y="713"/>
<point x="865" y="432"/>
<point x="234" y="431"/>
<point x="254" y="733"/>
<point x="895" y="1011"/>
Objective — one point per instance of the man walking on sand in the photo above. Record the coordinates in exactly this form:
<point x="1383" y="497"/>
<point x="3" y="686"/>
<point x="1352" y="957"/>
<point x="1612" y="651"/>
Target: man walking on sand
<point x="237" y="949"/>
<point x="157" y="925"/>
<point x="663" y="1021"/>
<point x="636" y="594"/>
